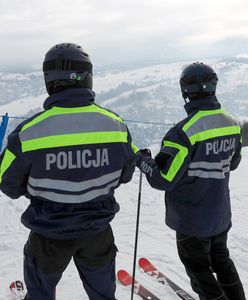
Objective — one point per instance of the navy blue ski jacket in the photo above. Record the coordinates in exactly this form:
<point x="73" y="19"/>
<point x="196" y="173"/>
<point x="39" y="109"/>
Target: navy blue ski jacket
<point x="68" y="160"/>
<point x="193" y="167"/>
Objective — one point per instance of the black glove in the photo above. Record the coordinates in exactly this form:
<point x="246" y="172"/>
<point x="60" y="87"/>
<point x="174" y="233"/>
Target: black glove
<point x="141" y="164"/>
<point x="145" y="152"/>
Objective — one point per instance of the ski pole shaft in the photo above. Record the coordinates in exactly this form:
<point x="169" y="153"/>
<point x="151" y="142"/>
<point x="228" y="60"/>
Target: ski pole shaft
<point x="136" y="235"/>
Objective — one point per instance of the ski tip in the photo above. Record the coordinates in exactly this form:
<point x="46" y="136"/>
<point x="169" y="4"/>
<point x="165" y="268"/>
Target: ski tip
<point x="124" y="277"/>
<point x="16" y="285"/>
<point x="17" y="290"/>
<point x="143" y="260"/>
<point x="146" y="265"/>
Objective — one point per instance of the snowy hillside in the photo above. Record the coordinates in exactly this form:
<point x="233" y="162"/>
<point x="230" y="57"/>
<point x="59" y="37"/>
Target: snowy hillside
<point x="18" y="86"/>
<point x="156" y="241"/>
<point x="149" y="94"/>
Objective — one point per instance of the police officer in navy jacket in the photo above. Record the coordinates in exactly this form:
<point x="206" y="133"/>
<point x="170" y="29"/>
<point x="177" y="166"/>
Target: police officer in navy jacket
<point x="193" y="167"/>
<point x="68" y="160"/>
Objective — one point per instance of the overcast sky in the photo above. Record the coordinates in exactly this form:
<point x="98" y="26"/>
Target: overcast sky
<point x="122" y="31"/>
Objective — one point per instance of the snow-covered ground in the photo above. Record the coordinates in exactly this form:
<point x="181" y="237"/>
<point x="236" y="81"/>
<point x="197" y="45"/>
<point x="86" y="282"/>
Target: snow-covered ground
<point x="156" y="241"/>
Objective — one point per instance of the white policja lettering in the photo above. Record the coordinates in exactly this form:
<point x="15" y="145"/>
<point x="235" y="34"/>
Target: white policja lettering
<point x="77" y="159"/>
<point x="219" y="146"/>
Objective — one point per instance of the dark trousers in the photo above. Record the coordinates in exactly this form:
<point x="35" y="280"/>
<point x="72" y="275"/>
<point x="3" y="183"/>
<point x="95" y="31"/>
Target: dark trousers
<point x="46" y="259"/>
<point x="203" y="256"/>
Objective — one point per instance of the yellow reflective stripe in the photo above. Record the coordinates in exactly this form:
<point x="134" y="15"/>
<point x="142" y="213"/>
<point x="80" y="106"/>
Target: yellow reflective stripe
<point x="212" y="133"/>
<point x="62" y="110"/>
<point x="135" y="148"/>
<point x="107" y="113"/>
<point x="201" y="114"/>
<point x="6" y="162"/>
<point x="75" y="139"/>
<point x="177" y="161"/>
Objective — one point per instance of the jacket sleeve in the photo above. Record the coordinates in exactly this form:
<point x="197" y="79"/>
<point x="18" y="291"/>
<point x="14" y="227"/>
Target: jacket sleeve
<point x="130" y="162"/>
<point x="244" y="131"/>
<point x="236" y="157"/>
<point x="171" y="162"/>
<point x="14" y="169"/>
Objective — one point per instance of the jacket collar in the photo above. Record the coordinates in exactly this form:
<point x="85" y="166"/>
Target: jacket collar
<point x="74" y="97"/>
<point x="206" y="103"/>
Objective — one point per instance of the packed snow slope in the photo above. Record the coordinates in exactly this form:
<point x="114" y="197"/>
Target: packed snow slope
<point x="156" y="241"/>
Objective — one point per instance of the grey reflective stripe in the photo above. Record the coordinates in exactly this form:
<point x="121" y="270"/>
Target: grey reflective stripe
<point x="71" y="186"/>
<point x="210" y="165"/>
<point x="206" y="174"/>
<point x="65" y="198"/>
<point x="226" y="169"/>
<point x="205" y="165"/>
<point x="226" y="161"/>
<point x="217" y="170"/>
<point x="210" y="122"/>
<point x="71" y="123"/>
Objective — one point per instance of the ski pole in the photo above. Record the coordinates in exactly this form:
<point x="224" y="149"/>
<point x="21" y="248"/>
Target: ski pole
<point x="136" y="235"/>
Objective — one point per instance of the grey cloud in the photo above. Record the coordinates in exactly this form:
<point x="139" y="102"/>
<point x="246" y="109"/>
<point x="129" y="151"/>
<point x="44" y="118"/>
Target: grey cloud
<point x="121" y="30"/>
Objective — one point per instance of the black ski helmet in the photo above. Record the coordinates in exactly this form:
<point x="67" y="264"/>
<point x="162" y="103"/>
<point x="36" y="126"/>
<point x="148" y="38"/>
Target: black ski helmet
<point x="198" y="80"/>
<point x="67" y="65"/>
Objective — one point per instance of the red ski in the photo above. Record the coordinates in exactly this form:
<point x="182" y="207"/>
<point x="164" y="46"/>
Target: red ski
<point x="17" y="290"/>
<point x="126" y="279"/>
<point x="151" y="270"/>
